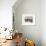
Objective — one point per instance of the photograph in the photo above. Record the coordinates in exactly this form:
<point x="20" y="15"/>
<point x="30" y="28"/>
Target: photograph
<point x="28" y="19"/>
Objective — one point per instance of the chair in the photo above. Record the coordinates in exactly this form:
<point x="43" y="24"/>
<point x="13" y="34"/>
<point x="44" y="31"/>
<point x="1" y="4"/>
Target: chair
<point x="29" y="43"/>
<point x="18" y="39"/>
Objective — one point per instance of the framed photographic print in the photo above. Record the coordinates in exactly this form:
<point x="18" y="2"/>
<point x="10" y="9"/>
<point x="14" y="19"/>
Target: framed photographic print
<point x="28" y="19"/>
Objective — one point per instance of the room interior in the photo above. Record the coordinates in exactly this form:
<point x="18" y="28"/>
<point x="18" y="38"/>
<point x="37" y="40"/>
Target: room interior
<point x="23" y="23"/>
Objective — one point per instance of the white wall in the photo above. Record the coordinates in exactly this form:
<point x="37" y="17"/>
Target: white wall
<point x="29" y="7"/>
<point x="6" y="13"/>
<point x="37" y="32"/>
<point x="43" y="22"/>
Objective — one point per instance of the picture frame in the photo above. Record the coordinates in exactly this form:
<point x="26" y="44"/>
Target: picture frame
<point x="28" y="19"/>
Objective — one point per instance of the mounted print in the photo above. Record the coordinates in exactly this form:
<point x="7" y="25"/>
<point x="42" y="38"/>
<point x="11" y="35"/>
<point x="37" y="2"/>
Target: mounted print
<point x="28" y="19"/>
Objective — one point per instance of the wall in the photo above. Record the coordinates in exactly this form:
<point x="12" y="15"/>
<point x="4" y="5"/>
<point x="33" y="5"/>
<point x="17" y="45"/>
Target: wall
<point x="6" y="13"/>
<point x="29" y="7"/>
<point x="43" y="22"/>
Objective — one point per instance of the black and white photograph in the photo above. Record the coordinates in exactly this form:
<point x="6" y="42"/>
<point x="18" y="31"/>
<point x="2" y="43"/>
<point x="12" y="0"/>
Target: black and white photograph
<point x="28" y="19"/>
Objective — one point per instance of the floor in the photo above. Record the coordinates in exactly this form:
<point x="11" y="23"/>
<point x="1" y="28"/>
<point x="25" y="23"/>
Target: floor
<point x="9" y="43"/>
